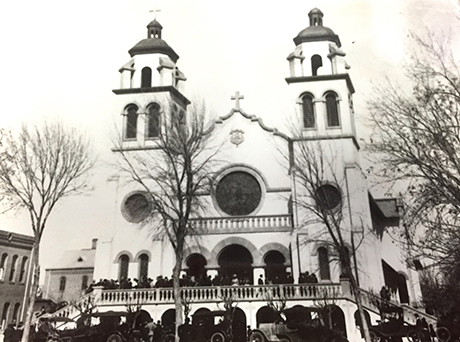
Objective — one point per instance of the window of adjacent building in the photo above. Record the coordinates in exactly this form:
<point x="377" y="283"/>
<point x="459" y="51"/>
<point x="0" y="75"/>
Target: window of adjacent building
<point x="308" y="111"/>
<point x="332" y="110"/>
<point x="323" y="258"/>
<point x="3" y="266"/>
<point x="14" y="262"/>
<point x="22" y="274"/>
<point x="16" y="312"/>
<point x="131" y="122"/>
<point x="5" y="312"/>
<point x="123" y="265"/>
<point x="146" y="80"/>
<point x="84" y="282"/>
<point x="62" y="282"/>
<point x="143" y="266"/>
<point x="153" y="125"/>
<point x="316" y="63"/>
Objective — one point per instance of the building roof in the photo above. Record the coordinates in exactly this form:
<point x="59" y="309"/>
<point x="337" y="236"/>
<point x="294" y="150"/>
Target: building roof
<point x="83" y="258"/>
<point x="316" y="31"/>
<point x="389" y="207"/>
<point x="16" y="240"/>
<point x="153" y="45"/>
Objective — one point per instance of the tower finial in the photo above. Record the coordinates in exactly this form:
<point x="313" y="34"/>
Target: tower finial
<point x="155" y="11"/>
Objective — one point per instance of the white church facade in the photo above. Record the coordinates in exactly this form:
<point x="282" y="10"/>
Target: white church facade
<point x="254" y="227"/>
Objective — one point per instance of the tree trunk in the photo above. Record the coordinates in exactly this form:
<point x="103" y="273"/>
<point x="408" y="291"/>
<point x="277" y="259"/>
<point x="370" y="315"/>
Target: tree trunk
<point x="359" y="304"/>
<point x="176" y="289"/>
<point x="33" y="290"/>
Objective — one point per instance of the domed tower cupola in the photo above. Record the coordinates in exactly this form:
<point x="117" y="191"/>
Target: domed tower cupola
<point x="316" y="31"/>
<point x="316" y="17"/>
<point x="154" y="29"/>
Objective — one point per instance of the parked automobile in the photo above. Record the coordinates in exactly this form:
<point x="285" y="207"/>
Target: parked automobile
<point x="298" y="324"/>
<point x="206" y="326"/>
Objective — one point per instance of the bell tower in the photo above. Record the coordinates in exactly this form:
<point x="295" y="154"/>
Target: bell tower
<point x="150" y="89"/>
<point x="319" y="83"/>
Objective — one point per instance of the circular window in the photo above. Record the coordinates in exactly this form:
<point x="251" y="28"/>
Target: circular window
<point x="136" y="208"/>
<point x="328" y="196"/>
<point x="238" y="193"/>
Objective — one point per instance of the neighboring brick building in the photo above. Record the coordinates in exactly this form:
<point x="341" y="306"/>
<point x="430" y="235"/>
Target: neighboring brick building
<point x="68" y="279"/>
<point x="15" y="250"/>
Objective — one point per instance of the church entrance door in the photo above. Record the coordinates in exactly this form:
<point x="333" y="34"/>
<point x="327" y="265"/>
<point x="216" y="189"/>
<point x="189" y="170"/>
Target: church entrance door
<point x="236" y="259"/>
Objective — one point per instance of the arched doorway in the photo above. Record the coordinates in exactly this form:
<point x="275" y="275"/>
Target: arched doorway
<point x="236" y="259"/>
<point x="168" y="319"/>
<point x="239" y="326"/>
<point x="275" y="269"/>
<point x="266" y="315"/>
<point x="334" y="318"/>
<point x="358" y="321"/>
<point x="196" y="266"/>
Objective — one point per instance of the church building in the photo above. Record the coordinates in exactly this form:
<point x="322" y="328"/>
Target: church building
<point x="255" y="228"/>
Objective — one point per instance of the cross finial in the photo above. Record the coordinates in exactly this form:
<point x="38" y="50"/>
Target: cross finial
<point x="155" y="12"/>
<point x="237" y="99"/>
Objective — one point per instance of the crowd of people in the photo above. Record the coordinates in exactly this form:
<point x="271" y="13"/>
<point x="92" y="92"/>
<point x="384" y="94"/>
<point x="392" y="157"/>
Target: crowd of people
<point x="13" y="333"/>
<point x="188" y="281"/>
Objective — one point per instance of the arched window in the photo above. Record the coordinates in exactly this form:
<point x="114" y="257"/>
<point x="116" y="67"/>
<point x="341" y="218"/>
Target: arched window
<point x="323" y="258"/>
<point x="316" y="63"/>
<point x="131" y="122"/>
<point x="347" y="260"/>
<point x="16" y="312"/>
<point x="146" y="81"/>
<point x="123" y="265"/>
<point x="62" y="282"/>
<point x="332" y="110"/>
<point x="84" y="282"/>
<point x="153" y="126"/>
<point x="143" y="266"/>
<point x="13" y="267"/>
<point x="23" y="269"/>
<point x="308" y="111"/>
<point x="3" y="266"/>
<point x="5" y="312"/>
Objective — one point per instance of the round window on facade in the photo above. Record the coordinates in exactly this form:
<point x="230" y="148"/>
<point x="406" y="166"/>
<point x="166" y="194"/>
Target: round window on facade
<point x="136" y="208"/>
<point x="328" y="196"/>
<point x="238" y="193"/>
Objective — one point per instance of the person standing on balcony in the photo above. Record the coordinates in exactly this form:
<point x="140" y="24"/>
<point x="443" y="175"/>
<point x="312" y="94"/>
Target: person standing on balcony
<point x="260" y="281"/>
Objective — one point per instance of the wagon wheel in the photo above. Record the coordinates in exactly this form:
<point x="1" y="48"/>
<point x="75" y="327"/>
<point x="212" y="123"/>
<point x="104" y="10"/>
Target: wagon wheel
<point x="414" y="336"/>
<point x="114" y="338"/>
<point x="376" y="337"/>
<point x="257" y="336"/>
<point x="170" y="338"/>
<point x="443" y="334"/>
<point x="217" y="337"/>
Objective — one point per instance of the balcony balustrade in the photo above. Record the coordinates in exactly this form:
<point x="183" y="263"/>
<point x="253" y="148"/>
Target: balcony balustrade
<point x="219" y="293"/>
<point x="215" y="225"/>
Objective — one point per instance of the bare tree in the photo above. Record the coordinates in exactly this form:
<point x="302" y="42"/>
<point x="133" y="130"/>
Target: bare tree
<point x="40" y="166"/>
<point x="417" y="141"/>
<point x="313" y="169"/>
<point x="173" y="175"/>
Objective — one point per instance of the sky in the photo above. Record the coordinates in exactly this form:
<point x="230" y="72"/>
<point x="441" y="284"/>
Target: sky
<point x="60" y="59"/>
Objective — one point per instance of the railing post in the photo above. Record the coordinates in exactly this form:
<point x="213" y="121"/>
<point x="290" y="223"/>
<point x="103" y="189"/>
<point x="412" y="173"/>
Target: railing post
<point x="346" y="288"/>
<point x="97" y="293"/>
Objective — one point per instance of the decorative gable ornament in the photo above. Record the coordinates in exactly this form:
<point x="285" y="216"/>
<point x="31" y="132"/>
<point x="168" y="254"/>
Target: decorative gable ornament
<point x="236" y="137"/>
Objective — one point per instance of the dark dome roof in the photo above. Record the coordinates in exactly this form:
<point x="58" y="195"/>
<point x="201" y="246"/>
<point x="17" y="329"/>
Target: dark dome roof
<point x="153" y="45"/>
<point x="154" y="23"/>
<point x="316" y="33"/>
